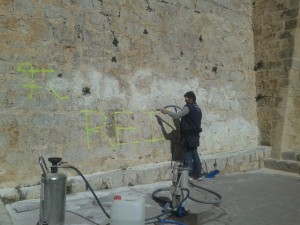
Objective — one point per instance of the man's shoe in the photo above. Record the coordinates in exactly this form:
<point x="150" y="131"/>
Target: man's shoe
<point x="199" y="178"/>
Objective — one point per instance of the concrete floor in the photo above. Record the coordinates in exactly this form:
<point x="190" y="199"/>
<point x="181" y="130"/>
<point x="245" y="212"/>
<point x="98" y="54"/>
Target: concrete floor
<point x="261" y="197"/>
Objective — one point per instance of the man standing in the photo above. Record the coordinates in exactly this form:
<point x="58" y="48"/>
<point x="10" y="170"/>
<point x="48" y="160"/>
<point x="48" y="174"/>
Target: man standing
<point x="190" y="128"/>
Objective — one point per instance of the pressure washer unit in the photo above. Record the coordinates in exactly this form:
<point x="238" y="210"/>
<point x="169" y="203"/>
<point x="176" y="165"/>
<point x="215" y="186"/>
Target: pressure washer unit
<point x="53" y="194"/>
<point x="179" y="182"/>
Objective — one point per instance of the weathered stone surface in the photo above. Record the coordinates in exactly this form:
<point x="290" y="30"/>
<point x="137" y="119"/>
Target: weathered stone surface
<point x="83" y="79"/>
<point x="277" y="72"/>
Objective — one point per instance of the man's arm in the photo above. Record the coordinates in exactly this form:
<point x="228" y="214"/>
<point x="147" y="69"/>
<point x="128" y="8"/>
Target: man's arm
<point x="177" y="115"/>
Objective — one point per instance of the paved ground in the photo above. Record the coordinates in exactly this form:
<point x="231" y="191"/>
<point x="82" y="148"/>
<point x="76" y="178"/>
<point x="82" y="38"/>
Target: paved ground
<point x="262" y="197"/>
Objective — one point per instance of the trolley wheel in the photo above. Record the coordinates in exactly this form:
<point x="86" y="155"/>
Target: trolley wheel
<point x="167" y="207"/>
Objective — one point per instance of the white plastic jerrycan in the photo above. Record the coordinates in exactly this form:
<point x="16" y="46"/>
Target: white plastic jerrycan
<point x="127" y="210"/>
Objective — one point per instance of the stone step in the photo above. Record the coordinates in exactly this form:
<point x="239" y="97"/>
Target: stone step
<point x="291" y="155"/>
<point x="292" y="166"/>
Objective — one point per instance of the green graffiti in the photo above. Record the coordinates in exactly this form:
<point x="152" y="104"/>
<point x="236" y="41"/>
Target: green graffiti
<point x="118" y="128"/>
<point x="101" y="129"/>
<point x="97" y="129"/>
<point x="124" y="134"/>
<point x="29" y="69"/>
<point x="31" y="87"/>
<point x="57" y="95"/>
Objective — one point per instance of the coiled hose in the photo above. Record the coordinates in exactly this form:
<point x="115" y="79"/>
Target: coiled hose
<point x="157" y="217"/>
<point x="172" y="210"/>
<point x="218" y="201"/>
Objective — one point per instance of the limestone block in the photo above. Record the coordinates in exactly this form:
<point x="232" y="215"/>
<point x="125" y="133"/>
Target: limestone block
<point x="75" y="184"/>
<point x="32" y="192"/>
<point x="9" y="195"/>
<point x="26" y="206"/>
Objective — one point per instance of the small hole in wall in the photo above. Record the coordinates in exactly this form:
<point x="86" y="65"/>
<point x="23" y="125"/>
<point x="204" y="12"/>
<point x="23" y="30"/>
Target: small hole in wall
<point x="115" y="42"/>
<point x="60" y="75"/>
<point x="259" y="65"/>
<point x="114" y="59"/>
<point x="86" y="90"/>
<point x="259" y="97"/>
<point x="145" y="31"/>
<point x="214" y="69"/>
<point x="149" y="9"/>
<point x="200" y="38"/>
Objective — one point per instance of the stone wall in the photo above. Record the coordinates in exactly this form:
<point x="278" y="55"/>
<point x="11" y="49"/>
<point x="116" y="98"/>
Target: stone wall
<point x="83" y="79"/>
<point x="276" y="40"/>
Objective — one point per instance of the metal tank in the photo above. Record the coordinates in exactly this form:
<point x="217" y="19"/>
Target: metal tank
<point x="53" y="194"/>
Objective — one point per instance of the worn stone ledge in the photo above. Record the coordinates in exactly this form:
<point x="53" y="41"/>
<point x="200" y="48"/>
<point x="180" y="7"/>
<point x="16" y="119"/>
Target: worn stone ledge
<point x="283" y="165"/>
<point x="228" y="162"/>
<point x="291" y="155"/>
<point x="289" y="162"/>
<point x="239" y="161"/>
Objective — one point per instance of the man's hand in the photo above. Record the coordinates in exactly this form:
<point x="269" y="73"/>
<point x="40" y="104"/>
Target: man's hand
<point x="164" y="111"/>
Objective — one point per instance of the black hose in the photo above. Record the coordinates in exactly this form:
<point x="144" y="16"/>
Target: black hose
<point x="172" y="209"/>
<point x="208" y="190"/>
<point x="158" y="199"/>
<point x="168" y="106"/>
<point x="190" y="197"/>
<point x="89" y="186"/>
<point x="99" y="203"/>
<point x="164" y="122"/>
<point x="172" y="106"/>
<point x="168" y="214"/>
<point x="168" y="189"/>
<point x="161" y="201"/>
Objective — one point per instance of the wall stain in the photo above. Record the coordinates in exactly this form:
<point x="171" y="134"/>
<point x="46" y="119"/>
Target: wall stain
<point x="13" y="133"/>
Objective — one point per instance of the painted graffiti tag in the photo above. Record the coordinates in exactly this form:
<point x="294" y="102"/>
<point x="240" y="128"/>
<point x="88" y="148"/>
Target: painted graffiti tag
<point x="32" y="86"/>
<point x="114" y="129"/>
<point x="120" y="129"/>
